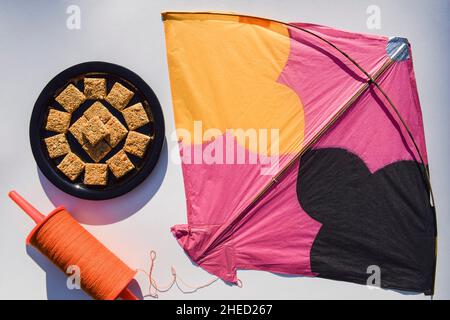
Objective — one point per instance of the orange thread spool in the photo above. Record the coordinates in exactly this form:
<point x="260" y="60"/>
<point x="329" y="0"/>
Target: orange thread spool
<point x="65" y="242"/>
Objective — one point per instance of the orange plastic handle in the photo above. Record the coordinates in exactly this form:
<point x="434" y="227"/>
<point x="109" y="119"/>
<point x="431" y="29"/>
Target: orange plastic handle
<point x="26" y="206"/>
<point x="126" y="294"/>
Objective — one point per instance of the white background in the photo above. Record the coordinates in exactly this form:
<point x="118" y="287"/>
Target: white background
<point x="35" y="45"/>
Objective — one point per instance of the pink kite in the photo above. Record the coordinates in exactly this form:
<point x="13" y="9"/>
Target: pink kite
<point x="302" y="150"/>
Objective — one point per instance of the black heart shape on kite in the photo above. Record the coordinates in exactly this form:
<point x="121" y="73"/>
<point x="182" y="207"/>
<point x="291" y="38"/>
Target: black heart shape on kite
<point x="382" y="219"/>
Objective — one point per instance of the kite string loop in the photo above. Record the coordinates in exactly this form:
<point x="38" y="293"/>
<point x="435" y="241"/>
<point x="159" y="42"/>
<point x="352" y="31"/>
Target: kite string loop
<point x="154" y="288"/>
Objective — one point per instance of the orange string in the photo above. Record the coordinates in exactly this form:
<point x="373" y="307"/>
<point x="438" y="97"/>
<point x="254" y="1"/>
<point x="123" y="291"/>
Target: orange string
<point x="66" y="243"/>
<point x="154" y="288"/>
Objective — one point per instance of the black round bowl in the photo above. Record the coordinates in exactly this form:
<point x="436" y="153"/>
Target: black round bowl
<point x="75" y="75"/>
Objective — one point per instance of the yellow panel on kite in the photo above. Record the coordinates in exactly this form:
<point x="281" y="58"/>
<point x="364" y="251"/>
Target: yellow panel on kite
<point x="224" y="72"/>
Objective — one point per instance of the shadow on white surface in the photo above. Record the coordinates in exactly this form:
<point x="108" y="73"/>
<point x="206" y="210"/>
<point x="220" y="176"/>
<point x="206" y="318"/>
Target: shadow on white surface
<point x="403" y="292"/>
<point x="101" y="212"/>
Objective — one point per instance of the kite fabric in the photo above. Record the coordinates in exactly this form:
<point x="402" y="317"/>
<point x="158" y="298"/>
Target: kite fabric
<point x="344" y="189"/>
